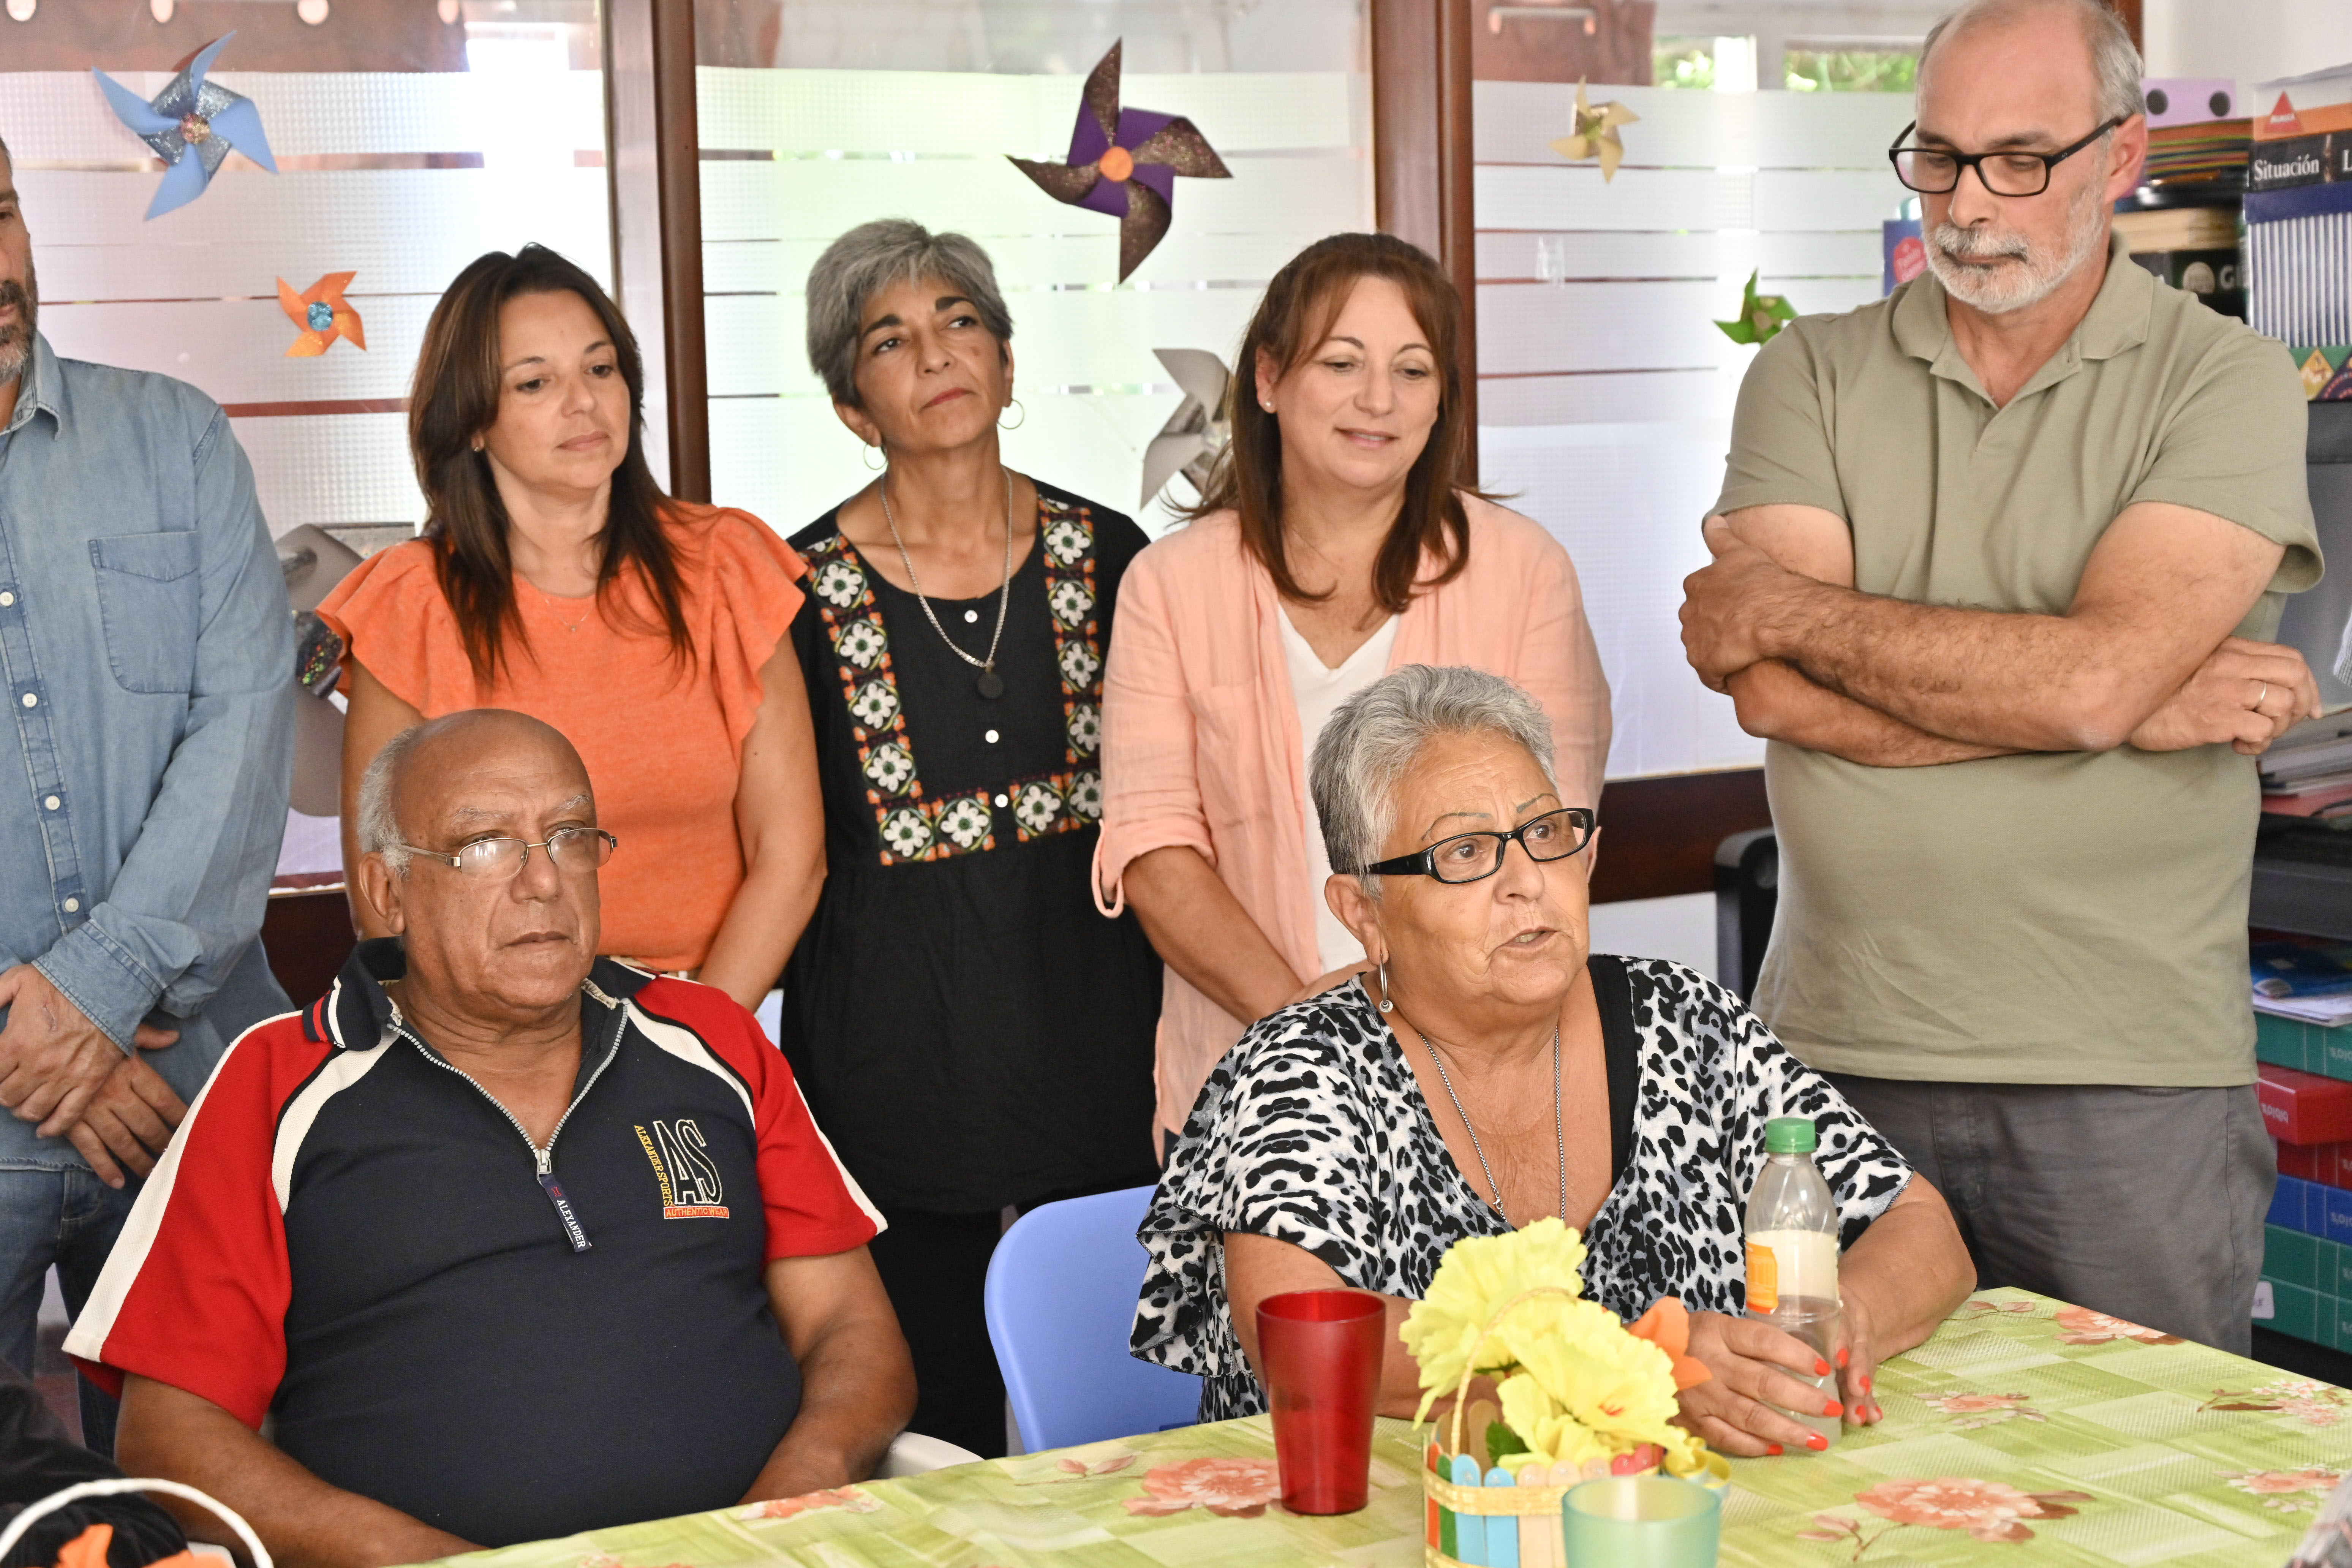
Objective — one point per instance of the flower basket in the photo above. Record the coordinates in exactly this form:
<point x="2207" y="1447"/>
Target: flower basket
<point x="1496" y="1520"/>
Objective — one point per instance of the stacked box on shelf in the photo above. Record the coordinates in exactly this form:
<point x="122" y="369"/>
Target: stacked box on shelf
<point x="2305" y="1047"/>
<point x="2310" y="1279"/>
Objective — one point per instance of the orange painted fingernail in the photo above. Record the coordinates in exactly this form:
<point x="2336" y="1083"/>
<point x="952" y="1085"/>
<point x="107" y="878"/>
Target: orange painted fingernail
<point x="1771" y="1450"/>
<point x="1841" y="1355"/>
<point x="1817" y="1443"/>
<point x="1865" y="1383"/>
<point x="1820" y="1367"/>
<point x="1834" y="1409"/>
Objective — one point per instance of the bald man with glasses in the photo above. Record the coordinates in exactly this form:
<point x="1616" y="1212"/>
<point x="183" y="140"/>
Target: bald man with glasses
<point x="505" y="1240"/>
<point x="1996" y="563"/>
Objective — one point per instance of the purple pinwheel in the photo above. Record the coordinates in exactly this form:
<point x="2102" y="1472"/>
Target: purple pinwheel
<point x="1124" y="161"/>
<point x="192" y="124"/>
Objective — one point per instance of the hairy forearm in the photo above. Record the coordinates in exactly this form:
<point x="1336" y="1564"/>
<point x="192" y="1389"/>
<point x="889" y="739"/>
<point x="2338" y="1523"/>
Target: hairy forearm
<point x="305" y="1523"/>
<point x="1200" y="930"/>
<point x="1778" y="702"/>
<point x="1911" y="1271"/>
<point x="763" y="924"/>
<point x="857" y="1392"/>
<point x="2010" y="683"/>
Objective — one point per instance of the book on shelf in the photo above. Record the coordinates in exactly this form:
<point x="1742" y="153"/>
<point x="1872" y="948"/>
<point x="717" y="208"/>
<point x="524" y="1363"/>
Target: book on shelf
<point x="2216" y="277"/>
<point x="2306" y="105"/>
<point x="2300" y="161"/>
<point x="2178" y="228"/>
<point x="2300" y="969"/>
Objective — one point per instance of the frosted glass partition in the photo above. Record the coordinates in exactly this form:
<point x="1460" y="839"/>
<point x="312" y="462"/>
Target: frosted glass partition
<point x="402" y="177"/>
<point x="1605" y="391"/>
<point x="794" y="157"/>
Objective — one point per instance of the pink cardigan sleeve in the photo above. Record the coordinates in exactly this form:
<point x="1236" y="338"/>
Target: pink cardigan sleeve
<point x="1561" y="666"/>
<point x="1151" y="785"/>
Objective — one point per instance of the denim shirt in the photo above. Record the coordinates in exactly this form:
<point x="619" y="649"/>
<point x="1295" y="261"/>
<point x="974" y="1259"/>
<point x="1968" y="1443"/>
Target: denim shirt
<point x="146" y="655"/>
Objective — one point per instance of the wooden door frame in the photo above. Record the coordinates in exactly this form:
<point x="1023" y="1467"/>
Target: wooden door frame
<point x="1422" y="148"/>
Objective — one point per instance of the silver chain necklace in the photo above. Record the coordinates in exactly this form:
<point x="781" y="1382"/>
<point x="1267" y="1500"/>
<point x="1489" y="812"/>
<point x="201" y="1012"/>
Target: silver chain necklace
<point x="1559" y="1133"/>
<point x="989" y="684"/>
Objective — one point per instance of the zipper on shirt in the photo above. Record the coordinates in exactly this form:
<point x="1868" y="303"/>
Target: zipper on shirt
<point x="542" y="1160"/>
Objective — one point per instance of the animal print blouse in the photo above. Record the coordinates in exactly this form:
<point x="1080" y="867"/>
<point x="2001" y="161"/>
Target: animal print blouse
<point x="1313" y="1131"/>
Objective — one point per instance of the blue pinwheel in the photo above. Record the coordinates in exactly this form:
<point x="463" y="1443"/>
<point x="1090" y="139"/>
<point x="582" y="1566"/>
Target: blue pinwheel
<point x="193" y="124"/>
<point x="1124" y="161"/>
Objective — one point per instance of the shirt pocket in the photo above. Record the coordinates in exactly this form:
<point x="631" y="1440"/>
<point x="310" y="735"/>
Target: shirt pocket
<point x="1230" y="752"/>
<point x="147" y="601"/>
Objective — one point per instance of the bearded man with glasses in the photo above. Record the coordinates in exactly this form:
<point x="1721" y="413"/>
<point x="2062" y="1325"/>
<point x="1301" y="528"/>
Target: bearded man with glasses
<point x="506" y="1240"/>
<point x="1995" y="563"/>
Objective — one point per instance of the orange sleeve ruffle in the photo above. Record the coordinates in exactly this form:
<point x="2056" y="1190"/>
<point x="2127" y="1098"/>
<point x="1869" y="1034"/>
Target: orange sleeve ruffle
<point x="391" y="617"/>
<point x="749" y="583"/>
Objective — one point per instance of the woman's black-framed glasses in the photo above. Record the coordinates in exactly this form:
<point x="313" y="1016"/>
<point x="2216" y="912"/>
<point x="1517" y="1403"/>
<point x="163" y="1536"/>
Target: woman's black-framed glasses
<point x="572" y="849"/>
<point x="1932" y="171"/>
<point x="1473" y="857"/>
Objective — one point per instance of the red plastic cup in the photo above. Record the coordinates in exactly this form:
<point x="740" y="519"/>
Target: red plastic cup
<point x="1321" y="1350"/>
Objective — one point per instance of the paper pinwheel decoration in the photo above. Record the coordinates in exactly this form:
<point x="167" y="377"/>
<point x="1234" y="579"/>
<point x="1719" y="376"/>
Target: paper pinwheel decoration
<point x="1188" y="443"/>
<point x="193" y="124"/>
<point x="1760" y="316"/>
<point x="321" y="313"/>
<point x="1124" y="161"/>
<point x="1596" y="133"/>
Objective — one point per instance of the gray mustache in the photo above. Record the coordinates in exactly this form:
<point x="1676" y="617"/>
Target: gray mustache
<point x="1954" y="240"/>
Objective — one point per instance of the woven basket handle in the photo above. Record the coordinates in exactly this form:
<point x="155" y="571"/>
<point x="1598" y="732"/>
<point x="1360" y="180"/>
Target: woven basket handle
<point x="1470" y="1360"/>
<point x="34" y="1512"/>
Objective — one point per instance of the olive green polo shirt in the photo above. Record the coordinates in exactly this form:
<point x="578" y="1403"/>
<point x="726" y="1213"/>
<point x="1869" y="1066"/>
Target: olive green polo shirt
<point x="2069" y="918"/>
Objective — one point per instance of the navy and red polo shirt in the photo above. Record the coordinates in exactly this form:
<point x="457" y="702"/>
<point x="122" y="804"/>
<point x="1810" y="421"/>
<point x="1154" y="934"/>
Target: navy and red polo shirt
<point x="350" y="1236"/>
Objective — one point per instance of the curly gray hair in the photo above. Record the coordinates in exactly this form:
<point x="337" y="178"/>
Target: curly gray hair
<point x="1368" y="746"/>
<point x="2113" y="57"/>
<point x="874" y="255"/>
<point x="377" y="828"/>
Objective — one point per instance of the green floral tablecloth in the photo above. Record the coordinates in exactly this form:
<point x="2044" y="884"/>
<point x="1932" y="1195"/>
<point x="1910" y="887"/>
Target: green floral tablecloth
<point x="2025" y="1431"/>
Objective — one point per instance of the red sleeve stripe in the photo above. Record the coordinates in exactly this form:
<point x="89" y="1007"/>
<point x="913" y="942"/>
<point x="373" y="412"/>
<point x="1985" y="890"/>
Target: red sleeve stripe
<point x="857" y="1194"/>
<point x="683" y="1043"/>
<point x="87" y="1340"/>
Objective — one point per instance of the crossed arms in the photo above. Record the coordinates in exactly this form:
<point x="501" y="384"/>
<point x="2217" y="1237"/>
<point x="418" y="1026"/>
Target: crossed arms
<point x="2143" y="657"/>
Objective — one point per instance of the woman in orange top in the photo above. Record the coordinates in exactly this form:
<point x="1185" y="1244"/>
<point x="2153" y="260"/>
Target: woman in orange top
<point x="1338" y="540"/>
<point x="553" y="577"/>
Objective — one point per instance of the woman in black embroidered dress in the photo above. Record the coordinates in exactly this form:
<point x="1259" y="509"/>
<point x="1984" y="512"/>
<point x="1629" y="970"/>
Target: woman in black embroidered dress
<point x="969" y="1031"/>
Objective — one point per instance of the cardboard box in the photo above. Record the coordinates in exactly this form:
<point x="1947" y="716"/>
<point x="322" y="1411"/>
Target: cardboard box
<point x="2188" y="100"/>
<point x="2292" y="1256"/>
<point x="2296" y="1310"/>
<point x="2305" y="1108"/>
<point x="2308" y="105"/>
<point x="2280" y="1041"/>
<point x="2289" y="1207"/>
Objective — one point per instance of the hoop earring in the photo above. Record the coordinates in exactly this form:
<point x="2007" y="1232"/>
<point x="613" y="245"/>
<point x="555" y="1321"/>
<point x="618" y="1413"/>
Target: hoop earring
<point x="1387" y="1004"/>
<point x="1014" y="403"/>
<point x="865" y="455"/>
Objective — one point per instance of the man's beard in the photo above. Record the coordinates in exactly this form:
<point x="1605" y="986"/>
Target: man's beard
<point x="2030" y="279"/>
<point x="16" y="337"/>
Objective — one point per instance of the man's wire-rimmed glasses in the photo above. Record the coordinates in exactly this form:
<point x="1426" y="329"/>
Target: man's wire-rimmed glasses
<point x="572" y="849"/>
<point x="1933" y="171"/>
<point x="1473" y="857"/>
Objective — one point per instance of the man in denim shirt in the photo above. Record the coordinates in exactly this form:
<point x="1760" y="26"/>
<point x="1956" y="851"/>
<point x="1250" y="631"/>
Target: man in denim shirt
<point x="146" y="656"/>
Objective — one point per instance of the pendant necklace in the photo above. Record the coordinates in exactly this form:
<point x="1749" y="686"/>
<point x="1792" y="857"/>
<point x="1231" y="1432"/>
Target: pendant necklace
<point x="568" y="625"/>
<point x="1558" y="1135"/>
<point x="990" y="685"/>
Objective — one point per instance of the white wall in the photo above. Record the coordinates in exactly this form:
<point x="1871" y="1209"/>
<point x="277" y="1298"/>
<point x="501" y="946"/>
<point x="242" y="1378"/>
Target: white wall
<point x="2252" y="40"/>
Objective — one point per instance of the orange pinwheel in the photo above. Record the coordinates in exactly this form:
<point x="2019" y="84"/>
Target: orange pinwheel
<point x="1667" y="1326"/>
<point x="320" y="311"/>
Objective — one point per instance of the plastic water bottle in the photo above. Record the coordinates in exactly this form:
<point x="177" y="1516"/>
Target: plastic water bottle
<point x="1792" y="1253"/>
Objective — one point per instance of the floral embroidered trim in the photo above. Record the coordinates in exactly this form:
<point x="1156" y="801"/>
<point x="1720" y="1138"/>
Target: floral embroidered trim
<point x="913" y="825"/>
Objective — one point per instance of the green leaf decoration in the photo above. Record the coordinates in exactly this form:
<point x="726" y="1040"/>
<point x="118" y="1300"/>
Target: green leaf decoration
<point x="1760" y="316"/>
<point x="1501" y="1441"/>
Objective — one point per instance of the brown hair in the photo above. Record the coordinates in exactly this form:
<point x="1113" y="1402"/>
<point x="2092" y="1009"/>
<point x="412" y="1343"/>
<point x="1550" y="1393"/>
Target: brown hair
<point x="454" y="398"/>
<point x="1297" y="313"/>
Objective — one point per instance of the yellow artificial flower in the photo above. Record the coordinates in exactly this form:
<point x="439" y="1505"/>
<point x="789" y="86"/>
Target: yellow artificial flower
<point x="1616" y="1387"/>
<point x="1478" y="1276"/>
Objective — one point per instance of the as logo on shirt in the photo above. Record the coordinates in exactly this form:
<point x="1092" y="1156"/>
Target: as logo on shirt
<point x="690" y="1188"/>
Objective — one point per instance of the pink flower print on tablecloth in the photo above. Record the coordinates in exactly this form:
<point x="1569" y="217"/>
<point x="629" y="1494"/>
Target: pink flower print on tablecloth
<point x="2082" y="1326"/>
<point x="846" y="1498"/>
<point x="1987" y="1510"/>
<point x="2312" y="1404"/>
<point x="2286" y="1490"/>
<point x="1976" y="1410"/>
<point x="1238" y="1489"/>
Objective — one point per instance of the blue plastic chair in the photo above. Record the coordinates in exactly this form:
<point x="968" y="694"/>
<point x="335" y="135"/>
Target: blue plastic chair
<point x="1061" y="1295"/>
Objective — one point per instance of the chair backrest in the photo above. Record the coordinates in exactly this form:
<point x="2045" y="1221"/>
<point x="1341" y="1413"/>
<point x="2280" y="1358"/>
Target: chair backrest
<point x="1061" y="1295"/>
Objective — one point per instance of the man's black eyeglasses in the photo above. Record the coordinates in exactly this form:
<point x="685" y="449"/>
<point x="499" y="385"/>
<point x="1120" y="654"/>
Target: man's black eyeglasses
<point x="1473" y="857"/>
<point x="1932" y="171"/>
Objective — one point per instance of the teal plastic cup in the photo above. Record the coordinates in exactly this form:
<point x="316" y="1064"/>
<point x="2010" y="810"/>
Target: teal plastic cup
<point x="1641" y="1522"/>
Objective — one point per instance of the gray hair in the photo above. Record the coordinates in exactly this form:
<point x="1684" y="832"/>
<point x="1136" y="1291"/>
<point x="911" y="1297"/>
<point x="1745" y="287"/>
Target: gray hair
<point x="874" y="255"/>
<point x="1369" y="745"/>
<point x="378" y="831"/>
<point x="2114" y="59"/>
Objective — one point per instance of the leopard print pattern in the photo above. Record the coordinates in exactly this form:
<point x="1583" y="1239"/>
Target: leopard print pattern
<point x="1313" y="1131"/>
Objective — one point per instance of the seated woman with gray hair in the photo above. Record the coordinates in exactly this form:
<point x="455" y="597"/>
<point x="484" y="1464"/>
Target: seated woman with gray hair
<point x="973" y="1035"/>
<point x="1492" y="1070"/>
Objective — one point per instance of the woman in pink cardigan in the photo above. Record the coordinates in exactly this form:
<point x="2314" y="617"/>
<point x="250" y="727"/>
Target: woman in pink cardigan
<point x="1336" y="541"/>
